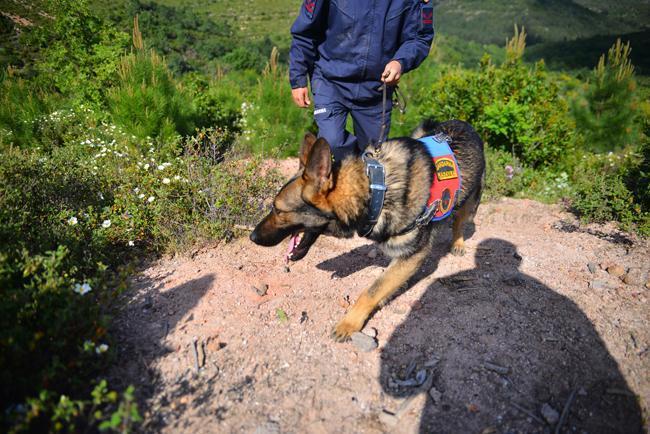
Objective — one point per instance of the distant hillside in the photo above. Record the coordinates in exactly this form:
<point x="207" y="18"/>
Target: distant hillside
<point x="491" y="21"/>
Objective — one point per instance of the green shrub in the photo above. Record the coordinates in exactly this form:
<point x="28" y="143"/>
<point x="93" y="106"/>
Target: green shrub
<point x="217" y="105"/>
<point x="514" y="107"/>
<point x="147" y="101"/>
<point x="272" y="124"/>
<point x="77" y="54"/>
<point x="601" y="193"/>
<point x="21" y="104"/>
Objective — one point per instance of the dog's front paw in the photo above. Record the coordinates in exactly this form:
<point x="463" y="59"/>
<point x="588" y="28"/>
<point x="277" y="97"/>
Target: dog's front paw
<point x="458" y="249"/>
<point x="344" y="329"/>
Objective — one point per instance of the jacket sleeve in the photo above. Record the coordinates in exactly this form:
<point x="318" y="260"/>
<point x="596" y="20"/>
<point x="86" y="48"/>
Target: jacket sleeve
<point x="418" y="35"/>
<point x="307" y="33"/>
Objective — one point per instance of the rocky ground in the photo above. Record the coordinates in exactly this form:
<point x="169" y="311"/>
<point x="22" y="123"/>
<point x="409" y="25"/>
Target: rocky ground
<point x="542" y="324"/>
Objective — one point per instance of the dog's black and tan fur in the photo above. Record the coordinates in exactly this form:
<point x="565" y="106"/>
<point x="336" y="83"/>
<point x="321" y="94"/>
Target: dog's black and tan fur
<point x="322" y="200"/>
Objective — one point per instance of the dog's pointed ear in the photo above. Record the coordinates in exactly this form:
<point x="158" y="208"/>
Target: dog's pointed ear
<point x="305" y="148"/>
<point x="318" y="167"/>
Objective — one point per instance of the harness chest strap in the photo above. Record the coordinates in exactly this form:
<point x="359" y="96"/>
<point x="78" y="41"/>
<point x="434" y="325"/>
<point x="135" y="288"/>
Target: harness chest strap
<point x="377" y="178"/>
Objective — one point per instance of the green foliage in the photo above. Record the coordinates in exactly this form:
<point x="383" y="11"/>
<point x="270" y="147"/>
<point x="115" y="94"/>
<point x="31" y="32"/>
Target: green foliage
<point x="70" y="217"/>
<point x="602" y="189"/>
<point x="147" y="101"/>
<point x="216" y="105"/>
<point x="22" y="103"/>
<point x="105" y="410"/>
<point x="514" y="107"/>
<point x="77" y="53"/>
<point x="188" y="40"/>
<point x="272" y="124"/>
<point x="607" y="109"/>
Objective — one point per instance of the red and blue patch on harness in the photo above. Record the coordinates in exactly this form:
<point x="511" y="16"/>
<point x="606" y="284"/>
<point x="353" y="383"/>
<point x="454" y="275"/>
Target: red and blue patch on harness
<point x="447" y="180"/>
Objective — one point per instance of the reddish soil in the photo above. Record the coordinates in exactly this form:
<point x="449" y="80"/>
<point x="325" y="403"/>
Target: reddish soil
<point x="517" y="324"/>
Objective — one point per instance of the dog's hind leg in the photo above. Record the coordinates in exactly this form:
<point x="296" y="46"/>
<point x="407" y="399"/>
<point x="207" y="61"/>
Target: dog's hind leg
<point x="463" y="215"/>
<point x="397" y="274"/>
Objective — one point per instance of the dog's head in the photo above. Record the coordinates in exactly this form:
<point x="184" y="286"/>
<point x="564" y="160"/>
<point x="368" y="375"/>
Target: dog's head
<point x="301" y="207"/>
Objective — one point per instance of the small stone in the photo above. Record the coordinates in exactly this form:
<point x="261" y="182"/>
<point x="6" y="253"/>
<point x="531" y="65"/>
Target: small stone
<point x="599" y="284"/>
<point x="582" y="392"/>
<point x="371" y="331"/>
<point x="550" y="414"/>
<point x="261" y="290"/>
<point x="635" y="276"/>
<point x="372" y="254"/>
<point x="287" y="269"/>
<point x="593" y="267"/>
<point x="435" y="395"/>
<point x="364" y="342"/>
<point x="616" y="270"/>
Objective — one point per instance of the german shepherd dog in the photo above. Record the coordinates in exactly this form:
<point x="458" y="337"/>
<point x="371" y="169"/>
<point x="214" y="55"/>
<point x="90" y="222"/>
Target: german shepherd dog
<point x="327" y="199"/>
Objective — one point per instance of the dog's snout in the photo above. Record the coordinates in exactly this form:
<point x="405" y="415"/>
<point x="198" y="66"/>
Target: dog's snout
<point x="254" y="237"/>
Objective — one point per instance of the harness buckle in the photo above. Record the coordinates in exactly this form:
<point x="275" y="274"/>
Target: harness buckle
<point x="426" y="216"/>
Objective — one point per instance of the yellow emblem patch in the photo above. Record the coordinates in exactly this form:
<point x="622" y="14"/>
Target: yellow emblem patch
<point x="446" y="169"/>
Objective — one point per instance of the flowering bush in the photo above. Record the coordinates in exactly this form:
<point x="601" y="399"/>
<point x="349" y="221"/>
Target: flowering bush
<point x="71" y="217"/>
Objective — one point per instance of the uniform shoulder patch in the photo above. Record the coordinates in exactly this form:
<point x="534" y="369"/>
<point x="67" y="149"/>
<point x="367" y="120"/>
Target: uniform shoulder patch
<point x="310" y="7"/>
<point x="427" y="15"/>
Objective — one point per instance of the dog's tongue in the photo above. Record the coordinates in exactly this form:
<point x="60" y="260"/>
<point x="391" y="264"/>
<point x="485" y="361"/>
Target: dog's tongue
<point x="293" y="243"/>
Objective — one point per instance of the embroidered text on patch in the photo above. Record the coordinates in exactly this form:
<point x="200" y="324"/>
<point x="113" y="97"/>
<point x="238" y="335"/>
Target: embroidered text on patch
<point x="446" y="169"/>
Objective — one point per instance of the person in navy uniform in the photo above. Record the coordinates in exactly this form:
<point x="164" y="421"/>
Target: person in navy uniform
<point x="347" y="48"/>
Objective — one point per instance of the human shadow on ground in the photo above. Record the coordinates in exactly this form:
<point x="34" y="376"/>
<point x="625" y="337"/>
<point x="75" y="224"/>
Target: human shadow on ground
<point x="141" y="330"/>
<point x="498" y="345"/>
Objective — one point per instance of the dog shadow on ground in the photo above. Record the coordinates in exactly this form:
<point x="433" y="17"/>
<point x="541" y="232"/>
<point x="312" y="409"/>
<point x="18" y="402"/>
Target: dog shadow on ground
<point x="497" y="345"/>
<point x="359" y="258"/>
<point x="141" y="331"/>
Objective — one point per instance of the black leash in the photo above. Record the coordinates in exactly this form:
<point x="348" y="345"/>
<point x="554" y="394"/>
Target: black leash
<point x="375" y="170"/>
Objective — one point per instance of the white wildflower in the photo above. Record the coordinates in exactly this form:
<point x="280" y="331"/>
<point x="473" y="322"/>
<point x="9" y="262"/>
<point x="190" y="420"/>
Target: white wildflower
<point x="101" y="348"/>
<point x="166" y="181"/>
<point x="151" y="199"/>
<point x="141" y="196"/>
<point x="146" y="166"/>
<point x="131" y="244"/>
<point x="82" y="289"/>
<point x="73" y="221"/>
<point x="106" y="224"/>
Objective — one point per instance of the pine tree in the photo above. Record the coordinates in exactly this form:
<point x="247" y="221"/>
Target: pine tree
<point x="607" y="109"/>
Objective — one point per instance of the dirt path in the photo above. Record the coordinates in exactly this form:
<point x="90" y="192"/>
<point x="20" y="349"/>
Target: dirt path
<point x="518" y="324"/>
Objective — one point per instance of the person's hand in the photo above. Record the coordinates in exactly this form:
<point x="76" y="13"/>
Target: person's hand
<point x="392" y="73"/>
<point x="301" y="96"/>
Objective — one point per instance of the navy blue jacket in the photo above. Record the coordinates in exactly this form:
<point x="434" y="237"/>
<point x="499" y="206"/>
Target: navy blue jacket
<point x="349" y="42"/>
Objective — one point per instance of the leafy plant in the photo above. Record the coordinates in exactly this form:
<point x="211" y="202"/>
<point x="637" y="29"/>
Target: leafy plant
<point x="515" y="107"/>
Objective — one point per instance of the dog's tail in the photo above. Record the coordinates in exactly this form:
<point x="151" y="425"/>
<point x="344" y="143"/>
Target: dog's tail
<point x="426" y="128"/>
